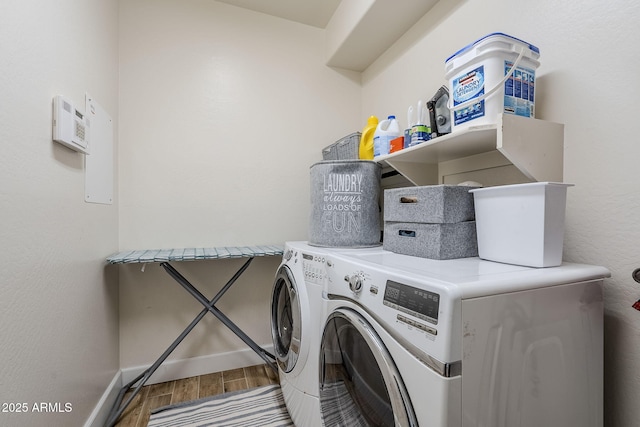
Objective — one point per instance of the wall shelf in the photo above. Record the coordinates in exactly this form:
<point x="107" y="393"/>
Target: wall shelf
<point x="535" y="147"/>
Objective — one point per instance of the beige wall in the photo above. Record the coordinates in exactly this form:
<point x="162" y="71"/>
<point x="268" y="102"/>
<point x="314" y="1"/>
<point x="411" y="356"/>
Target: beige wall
<point x="219" y="113"/>
<point x="223" y="111"/>
<point x="58" y="306"/>
<point x="588" y="52"/>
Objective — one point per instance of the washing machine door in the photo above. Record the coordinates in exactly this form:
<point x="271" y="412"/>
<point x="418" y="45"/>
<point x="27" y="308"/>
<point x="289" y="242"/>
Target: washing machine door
<point x="285" y="319"/>
<point x="359" y="382"/>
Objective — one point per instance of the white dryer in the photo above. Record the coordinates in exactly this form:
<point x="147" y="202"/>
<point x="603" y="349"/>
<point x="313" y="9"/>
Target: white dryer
<point x="416" y="342"/>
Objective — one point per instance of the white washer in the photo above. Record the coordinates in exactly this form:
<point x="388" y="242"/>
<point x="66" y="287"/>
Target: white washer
<point x="296" y="307"/>
<point x="410" y="341"/>
<point x="297" y="315"/>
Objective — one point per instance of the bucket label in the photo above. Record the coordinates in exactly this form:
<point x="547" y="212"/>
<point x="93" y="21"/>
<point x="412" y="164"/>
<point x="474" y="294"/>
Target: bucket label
<point x="519" y="91"/>
<point x="465" y="88"/>
<point x="342" y="202"/>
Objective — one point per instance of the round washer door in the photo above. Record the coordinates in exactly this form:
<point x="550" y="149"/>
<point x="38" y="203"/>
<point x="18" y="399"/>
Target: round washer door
<point x="359" y="382"/>
<point x="285" y="319"/>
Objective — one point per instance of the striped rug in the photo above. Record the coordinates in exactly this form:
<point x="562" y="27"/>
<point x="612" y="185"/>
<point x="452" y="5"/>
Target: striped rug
<point x="258" y="407"/>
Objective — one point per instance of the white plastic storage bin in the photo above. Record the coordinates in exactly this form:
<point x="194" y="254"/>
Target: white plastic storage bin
<point x="495" y="74"/>
<point x="521" y="224"/>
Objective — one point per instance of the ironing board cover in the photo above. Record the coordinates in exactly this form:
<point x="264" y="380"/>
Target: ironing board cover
<point x="192" y="254"/>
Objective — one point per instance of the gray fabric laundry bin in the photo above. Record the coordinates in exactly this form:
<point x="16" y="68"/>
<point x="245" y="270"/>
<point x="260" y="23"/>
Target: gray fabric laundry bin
<point x="345" y="208"/>
<point x="433" y="204"/>
<point x="434" y="241"/>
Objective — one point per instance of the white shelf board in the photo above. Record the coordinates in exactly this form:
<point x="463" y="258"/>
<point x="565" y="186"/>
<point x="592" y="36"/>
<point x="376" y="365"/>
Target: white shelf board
<point x="474" y="140"/>
<point x="533" y="146"/>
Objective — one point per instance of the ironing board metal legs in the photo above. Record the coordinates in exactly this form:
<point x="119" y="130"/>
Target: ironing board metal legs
<point x="209" y="306"/>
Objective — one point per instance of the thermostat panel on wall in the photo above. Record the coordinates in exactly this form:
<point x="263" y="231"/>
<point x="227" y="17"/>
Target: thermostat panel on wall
<point x="70" y="126"/>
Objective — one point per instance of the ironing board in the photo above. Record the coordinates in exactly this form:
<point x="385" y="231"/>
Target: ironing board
<point x="164" y="256"/>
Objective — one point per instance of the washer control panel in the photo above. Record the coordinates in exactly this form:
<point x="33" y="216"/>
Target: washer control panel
<point x="313" y="267"/>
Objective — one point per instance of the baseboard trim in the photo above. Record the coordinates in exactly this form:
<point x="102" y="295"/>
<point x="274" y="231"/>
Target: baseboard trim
<point x="170" y="371"/>
<point x="194" y="366"/>
<point x="101" y="411"/>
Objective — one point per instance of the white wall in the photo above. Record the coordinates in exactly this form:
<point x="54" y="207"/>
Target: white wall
<point x="222" y="112"/>
<point x="589" y="53"/>
<point x="58" y="306"/>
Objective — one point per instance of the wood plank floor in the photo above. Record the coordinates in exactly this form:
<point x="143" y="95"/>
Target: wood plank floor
<point x="183" y="390"/>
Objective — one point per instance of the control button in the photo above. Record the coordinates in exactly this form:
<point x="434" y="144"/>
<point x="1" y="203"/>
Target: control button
<point x="417" y="325"/>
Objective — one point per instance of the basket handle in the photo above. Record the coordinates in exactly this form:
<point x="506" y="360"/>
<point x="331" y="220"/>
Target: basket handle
<point x="492" y="91"/>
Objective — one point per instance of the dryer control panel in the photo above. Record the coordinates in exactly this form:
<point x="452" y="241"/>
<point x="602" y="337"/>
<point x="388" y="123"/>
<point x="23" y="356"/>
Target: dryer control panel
<point x="413" y="309"/>
<point x="420" y="303"/>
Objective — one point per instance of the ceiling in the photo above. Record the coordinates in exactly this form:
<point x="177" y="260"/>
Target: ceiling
<point x="316" y="13"/>
<point x="359" y="32"/>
